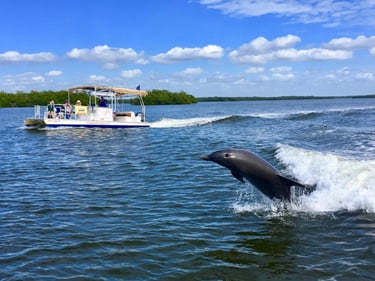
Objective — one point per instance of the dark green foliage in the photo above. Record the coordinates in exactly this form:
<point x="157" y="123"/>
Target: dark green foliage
<point x="166" y="97"/>
<point x="258" y="98"/>
<point x="211" y="99"/>
<point x="43" y="98"/>
<point x="363" y="97"/>
<point x="21" y="99"/>
<point x="154" y="97"/>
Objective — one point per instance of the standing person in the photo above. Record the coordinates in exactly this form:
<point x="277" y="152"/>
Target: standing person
<point x="102" y="102"/>
<point x="68" y="109"/>
<point x="51" y="109"/>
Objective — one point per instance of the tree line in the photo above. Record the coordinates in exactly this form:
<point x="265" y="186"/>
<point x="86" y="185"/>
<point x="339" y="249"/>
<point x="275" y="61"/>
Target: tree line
<point x="158" y="97"/>
<point x="154" y="97"/>
<point x="21" y="99"/>
<point x="215" y="99"/>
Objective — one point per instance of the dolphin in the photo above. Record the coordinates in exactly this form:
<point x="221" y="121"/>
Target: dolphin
<point x="248" y="165"/>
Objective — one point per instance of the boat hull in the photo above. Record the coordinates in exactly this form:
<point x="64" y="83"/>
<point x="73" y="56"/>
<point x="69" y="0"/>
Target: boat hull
<point x="56" y="123"/>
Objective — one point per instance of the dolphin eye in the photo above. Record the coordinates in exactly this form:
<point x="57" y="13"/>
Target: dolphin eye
<point x="226" y="155"/>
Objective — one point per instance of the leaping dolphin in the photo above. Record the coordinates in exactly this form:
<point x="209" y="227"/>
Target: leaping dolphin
<point x="245" y="164"/>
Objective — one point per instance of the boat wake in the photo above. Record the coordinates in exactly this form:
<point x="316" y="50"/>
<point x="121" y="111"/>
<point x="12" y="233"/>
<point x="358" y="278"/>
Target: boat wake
<point x="198" y="121"/>
<point x="341" y="184"/>
<point x="296" y="115"/>
<point x="175" y="123"/>
<point x="292" y="115"/>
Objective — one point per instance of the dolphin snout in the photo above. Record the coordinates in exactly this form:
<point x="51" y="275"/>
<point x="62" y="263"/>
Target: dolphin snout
<point x="206" y="157"/>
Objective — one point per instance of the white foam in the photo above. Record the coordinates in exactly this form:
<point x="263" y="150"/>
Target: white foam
<point x="174" y="123"/>
<point x="341" y="183"/>
<point x="290" y="113"/>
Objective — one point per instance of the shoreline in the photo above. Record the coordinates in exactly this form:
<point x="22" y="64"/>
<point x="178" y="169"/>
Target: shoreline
<point x="254" y="98"/>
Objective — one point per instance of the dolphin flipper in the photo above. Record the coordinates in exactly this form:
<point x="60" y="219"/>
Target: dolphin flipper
<point x="238" y="176"/>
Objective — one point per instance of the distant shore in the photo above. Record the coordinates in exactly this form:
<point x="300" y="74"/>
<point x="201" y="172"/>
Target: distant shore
<point x="254" y="98"/>
<point x="154" y="97"/>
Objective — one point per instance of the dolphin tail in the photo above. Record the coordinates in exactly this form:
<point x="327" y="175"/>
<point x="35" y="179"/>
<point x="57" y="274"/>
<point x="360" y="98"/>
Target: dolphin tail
<point x="290" y="182"/>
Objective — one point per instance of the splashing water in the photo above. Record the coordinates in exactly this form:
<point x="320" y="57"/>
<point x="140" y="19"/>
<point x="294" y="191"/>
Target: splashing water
<point x="341" y="184"/>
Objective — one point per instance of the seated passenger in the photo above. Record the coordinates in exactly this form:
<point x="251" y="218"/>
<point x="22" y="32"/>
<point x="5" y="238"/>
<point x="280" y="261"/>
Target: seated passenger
<point x="67" y="109"/>
<point x="102" y="102"/>
<point x="79" y="109"/>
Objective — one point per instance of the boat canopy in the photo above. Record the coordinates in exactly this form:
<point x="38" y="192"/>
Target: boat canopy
<point x="115" y="90"/>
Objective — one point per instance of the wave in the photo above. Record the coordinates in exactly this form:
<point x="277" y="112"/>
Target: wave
<point x="286" y="115"/>
<point x="298" y="115"/>
<point x="310" y="114"/>
<point x="198" y="121"/>
<point x="341" y="183"/>
<point x="304" y="116"/>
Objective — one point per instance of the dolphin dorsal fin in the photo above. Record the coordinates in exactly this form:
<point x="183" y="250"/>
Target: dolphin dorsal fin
<point x="290" y="182"/>
<point x="238" y="176"/>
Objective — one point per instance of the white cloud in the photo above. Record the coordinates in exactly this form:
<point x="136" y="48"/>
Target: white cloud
<point x="282" y="73"/>
<point x="183" y="54"/>
<point x="329" y="13"/>
<point x="265" y="78"/>
<point x="110" y="66"/>
<point x="261" y="44"/>
<point x="97" y="78"/>
<point x="330" y="77"/>
<point x="281" y="69"/>
<point x="192" y="71"/>
<point x="261" y="51"/>
<point x="107" y="54"/>
<point x="345" y="43"/>
<point x="366" y="76"/>
<point x="254" y="70"/>
<point x="54" y="73"/>
<point x="38" y="78"/>
<point x="256" y="8"/>
<point x="131" y="73"/>
<point x="317" y="54"/>
<point x="283" y="76"/>
<point x="344" y="71"/>
<point x="22" y="82"/>
<point x="16" y="57"/>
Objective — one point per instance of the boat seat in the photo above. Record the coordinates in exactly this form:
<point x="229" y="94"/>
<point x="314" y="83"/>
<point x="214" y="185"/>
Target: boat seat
<point x="124" y="114"/>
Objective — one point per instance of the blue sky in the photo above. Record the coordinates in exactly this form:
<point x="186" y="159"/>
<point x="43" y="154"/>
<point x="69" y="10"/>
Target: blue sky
<point x="202" y="47"/>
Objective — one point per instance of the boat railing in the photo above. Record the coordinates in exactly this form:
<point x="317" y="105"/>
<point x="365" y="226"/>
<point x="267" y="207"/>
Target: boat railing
<point x="76" y="113"/>
<point x="81" y="112"/>
<point x="60" y="113"/>
<point x="37" y="111"/>
<point x="143" y="108"/>
<point x="91" y="113"/>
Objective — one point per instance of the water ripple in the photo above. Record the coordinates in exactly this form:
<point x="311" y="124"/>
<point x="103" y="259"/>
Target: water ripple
<point x="141" y="205"/>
